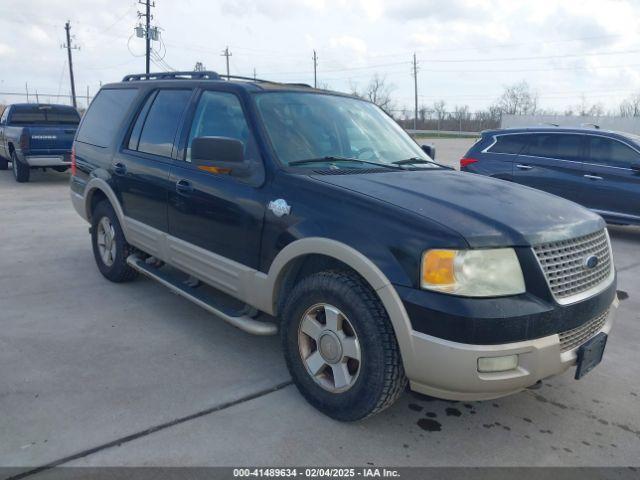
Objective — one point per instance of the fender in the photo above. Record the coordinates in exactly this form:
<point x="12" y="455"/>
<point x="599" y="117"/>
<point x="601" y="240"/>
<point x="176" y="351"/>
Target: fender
<point x="267" y="286"/>
<point x="99" y="184"/>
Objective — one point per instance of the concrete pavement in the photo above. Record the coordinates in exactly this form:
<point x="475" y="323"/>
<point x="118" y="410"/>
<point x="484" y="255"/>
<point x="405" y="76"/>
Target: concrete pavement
<point x="94" y="373"/>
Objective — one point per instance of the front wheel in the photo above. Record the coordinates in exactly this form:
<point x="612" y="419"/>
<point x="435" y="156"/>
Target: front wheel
<point x="21" y="171"/>
<point x="110" y="248"/>
<point x="340" y="347"/>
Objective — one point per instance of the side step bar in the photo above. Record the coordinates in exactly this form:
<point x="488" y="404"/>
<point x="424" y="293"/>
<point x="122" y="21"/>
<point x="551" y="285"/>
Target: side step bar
<point x="244" y="323"/>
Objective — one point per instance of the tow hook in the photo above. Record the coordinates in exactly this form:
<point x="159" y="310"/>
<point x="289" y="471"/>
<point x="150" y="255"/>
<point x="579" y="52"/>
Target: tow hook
<point x="535" y="386"/>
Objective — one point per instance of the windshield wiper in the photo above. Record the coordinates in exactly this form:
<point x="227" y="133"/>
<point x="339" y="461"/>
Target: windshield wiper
<point x="418" y="161"/>
<point x="333" y="159"/>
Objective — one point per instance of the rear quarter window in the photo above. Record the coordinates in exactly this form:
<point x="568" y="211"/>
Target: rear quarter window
<point x="511" y="144"/>
<point x="105" y="115"/>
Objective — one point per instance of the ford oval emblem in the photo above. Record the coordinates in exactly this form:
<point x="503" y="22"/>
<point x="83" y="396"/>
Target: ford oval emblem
<point x="591" y="262"/>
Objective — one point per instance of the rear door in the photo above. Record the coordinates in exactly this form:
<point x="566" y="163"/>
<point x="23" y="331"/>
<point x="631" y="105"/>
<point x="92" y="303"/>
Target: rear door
<point x="141" y="168"/>
<point x="611" y="185"/>
<point x="552" y="162"/>
<point x="497" y="159"/>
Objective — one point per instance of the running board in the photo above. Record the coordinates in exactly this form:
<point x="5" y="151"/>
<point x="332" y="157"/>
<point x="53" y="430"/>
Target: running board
<point x="244" y="323"/>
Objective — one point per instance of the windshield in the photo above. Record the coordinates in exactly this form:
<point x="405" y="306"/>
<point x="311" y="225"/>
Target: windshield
<point x="310" y="129"/>
<point x="43" y="114"/>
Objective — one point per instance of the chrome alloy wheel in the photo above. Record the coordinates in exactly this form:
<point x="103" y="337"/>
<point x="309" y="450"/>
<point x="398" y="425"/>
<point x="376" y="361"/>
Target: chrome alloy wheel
<point x="106" y="239"/>
<point x="329" y="348"/>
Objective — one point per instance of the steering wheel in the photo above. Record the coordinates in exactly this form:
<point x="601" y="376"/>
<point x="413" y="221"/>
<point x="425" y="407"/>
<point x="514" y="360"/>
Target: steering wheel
<point x="363" y="150"/>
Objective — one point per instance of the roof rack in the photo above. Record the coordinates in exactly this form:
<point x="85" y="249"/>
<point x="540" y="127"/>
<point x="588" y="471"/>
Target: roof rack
<point x="204" y="75"/>
<point x="594" y="125"/>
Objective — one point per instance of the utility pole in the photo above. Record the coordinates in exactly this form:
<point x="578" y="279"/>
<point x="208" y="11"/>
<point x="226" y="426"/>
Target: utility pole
<point x="227" y="53"/>
<point x="147" y="32"/>
<point x="415" y="90"/>
<point x="26" y="87"/>
<point x="69" y="47"/>
<point x="254" y="73"/>
<point x="315" y="70"/>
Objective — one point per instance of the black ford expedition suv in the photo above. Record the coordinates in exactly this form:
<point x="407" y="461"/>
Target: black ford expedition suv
<point x="281" y="207"/>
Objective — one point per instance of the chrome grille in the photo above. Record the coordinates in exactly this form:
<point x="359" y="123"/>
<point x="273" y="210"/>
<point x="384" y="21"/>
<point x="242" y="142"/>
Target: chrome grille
<point x="574" y="338"/>
<point x="563" y="263"/>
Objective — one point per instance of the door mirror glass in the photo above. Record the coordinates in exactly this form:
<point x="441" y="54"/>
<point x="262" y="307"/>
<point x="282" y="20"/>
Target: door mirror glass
<point x="429" y="150"/>
<point x="219" y="155"/>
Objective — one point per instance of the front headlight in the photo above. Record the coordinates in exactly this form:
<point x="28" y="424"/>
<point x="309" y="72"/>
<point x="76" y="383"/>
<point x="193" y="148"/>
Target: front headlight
<point x="472" y="273"/>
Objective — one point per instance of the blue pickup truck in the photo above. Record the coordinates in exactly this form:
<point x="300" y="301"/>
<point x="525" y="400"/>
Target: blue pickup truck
<point x="35" y="135"/>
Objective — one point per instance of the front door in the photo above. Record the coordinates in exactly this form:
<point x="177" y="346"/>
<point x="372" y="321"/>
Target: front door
<point x="220" y="213"/>
<point x="552" y="162"/>
<point x="611" y="185"/>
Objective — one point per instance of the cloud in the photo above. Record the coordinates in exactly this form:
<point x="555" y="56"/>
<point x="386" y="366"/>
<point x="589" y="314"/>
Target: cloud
<point x="435" y="9"/>
<point x="355" y="44"/>
<point x="5" y="50"/>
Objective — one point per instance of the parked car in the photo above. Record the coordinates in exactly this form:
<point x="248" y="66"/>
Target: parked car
<point x="36" y="135"/>
<point x="595" y="168"/>
<point x="281" y="207"/>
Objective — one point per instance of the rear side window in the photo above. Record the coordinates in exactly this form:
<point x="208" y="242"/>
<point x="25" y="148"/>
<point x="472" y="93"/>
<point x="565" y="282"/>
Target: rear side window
<point x="43" y="115"/>
<point x="554" y="145"/>
<point x="610" y="152"/>
<point x="106" y="113"/>
<point x="513" y="144"/>
<point x="161" y="124"/>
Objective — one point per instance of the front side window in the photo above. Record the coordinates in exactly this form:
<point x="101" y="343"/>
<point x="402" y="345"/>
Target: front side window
<point x="161" y="124"/>
<point x="220" y="114"/>
<point x="555" y="145"/>
<point x="316" y="127"/>
<point x="612" y="153"/>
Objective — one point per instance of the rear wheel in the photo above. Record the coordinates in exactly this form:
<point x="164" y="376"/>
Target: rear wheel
<point x="340" y="346"/>
<point x="110" y="248"/>
<point x="21" y="171"/>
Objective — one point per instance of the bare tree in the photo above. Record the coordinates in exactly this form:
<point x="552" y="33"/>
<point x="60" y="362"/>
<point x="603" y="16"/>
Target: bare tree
<point x="377" y="91"/>
<point x="518" y="99"/>
<point x="631" y="106"/>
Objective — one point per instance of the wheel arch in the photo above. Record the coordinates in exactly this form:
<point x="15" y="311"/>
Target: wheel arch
<point x="98" y="189"/>
<point x="338" y="253"/>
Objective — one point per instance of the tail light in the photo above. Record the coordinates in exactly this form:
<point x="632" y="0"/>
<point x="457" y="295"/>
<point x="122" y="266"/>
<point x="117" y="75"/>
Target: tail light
<point x="73" y="160"/>
<point x="25" y="141"/>
<point x="465" y="162"/>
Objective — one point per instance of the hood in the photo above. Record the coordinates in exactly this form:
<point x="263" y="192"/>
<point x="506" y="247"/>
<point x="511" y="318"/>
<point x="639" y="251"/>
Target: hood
<point x="487" y="212"/>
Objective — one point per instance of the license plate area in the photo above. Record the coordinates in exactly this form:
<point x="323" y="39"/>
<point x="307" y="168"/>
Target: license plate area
<point x="590" y="354"/>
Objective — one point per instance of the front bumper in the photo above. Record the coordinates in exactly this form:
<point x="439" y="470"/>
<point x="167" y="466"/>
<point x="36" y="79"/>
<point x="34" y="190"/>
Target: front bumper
<point x="446" y="369"/>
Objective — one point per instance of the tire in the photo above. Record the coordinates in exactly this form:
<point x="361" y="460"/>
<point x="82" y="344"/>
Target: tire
<point x="375" y="381"/>
<point x="4" y="164"/>
<point x="111" y="258"/>
<point x="21" y="171"/>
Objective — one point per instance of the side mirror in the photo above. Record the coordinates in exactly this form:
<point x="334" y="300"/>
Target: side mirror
<point x="635" y="167"/>
<point x="429" y="150"/>
<point x="219" y="155"/>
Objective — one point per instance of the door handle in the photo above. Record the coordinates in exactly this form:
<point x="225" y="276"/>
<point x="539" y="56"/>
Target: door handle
<point x="524" y="167"/>
<point x="592" y="177"/>
<point x="184" y="186"/>
<point x="119" y="168"/>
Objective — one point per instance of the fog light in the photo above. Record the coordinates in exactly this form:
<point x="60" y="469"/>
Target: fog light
<point x="497" y="364"/>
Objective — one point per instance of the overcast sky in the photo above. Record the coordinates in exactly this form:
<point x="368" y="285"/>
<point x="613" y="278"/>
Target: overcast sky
<point x="468" y="50"/>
